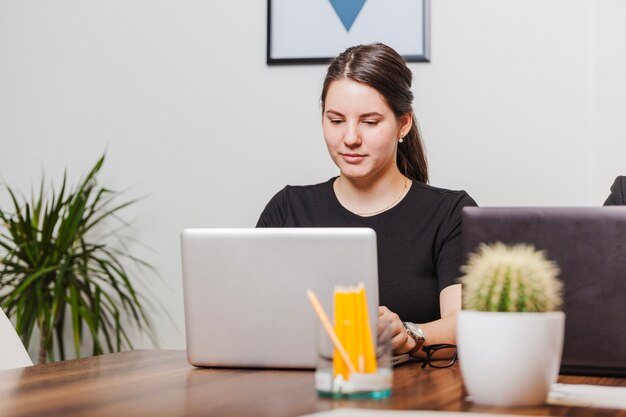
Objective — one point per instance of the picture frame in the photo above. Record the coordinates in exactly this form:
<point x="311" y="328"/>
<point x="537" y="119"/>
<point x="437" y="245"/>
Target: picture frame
<point x="314" y="31"/>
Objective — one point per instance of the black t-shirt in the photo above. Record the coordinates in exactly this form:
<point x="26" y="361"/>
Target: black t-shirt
<point x="419" y="239"/>
<point x="618" y="193"/>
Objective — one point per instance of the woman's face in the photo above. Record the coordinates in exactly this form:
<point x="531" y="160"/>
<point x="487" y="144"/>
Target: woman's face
<point x="361" y="130"/>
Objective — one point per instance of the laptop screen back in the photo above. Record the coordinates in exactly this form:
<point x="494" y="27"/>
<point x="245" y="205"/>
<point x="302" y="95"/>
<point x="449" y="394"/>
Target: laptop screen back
<point x="589" y="246"/>
<point x="244" y="290"/>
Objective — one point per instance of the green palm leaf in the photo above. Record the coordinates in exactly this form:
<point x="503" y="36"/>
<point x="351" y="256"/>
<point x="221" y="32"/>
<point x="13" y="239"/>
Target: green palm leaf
<point x="54" y="267"/>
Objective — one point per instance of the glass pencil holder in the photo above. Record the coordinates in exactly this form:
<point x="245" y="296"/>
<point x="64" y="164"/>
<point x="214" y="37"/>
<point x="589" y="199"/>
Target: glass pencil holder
<point x="369" y="376"/>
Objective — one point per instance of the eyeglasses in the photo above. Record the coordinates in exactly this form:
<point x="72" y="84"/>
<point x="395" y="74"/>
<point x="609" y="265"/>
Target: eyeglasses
<point x="439" y="356"/>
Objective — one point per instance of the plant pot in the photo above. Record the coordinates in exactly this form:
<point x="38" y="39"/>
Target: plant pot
<point x="509" y="359"/>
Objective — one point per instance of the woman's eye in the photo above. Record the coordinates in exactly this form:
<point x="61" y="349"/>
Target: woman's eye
<point x="370" y="122"/>
<point x="336" y="121"/>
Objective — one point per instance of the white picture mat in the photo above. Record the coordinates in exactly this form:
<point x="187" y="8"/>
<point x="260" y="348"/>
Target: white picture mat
<point x="312" y="29"/>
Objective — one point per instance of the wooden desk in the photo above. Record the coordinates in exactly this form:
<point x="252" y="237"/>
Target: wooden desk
<point x="162" y="383"/>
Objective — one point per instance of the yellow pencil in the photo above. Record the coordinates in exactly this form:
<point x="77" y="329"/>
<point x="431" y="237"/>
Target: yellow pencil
<point x="339" y="367"/>
<point x="321" y="314"/>
<point x="370" y="354"/>
<point x="360" y="330"/>
<point x="351" y="324"/>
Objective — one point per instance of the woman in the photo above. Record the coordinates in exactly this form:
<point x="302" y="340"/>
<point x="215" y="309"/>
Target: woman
<point x="371" y="134"/>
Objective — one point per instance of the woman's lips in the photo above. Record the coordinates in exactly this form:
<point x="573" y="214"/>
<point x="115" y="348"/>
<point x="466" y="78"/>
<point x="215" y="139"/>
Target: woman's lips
<point x="353" y="158"/>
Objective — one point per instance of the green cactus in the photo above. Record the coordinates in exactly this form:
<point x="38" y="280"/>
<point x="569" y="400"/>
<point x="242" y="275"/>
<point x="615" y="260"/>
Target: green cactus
<point x="510" y="278"/>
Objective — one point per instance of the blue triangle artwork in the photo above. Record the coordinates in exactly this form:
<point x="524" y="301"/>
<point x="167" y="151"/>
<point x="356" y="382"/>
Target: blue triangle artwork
<point x="347" y="10"/>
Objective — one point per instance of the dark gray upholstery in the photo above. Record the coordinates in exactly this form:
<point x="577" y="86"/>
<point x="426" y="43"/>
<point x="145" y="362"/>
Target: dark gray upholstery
<point x="589" y="245"/>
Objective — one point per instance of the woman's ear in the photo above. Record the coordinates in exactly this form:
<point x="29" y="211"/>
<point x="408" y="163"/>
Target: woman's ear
<point x="406" y="122"/>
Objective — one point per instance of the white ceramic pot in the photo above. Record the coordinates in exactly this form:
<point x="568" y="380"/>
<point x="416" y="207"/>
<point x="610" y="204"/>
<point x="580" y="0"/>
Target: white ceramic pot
<point x="12" y="352"/>
<point x="509" y="359"/>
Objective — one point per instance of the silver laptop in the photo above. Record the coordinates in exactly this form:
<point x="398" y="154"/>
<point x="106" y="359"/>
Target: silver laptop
<point x="589" y="245"/>
<point x="244" y="291"/>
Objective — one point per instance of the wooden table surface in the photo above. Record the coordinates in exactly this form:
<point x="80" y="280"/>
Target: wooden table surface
<point x="162" y="383"/>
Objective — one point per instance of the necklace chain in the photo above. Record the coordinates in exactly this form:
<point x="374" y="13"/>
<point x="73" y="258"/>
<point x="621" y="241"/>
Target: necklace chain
<point x="372" y="213"/>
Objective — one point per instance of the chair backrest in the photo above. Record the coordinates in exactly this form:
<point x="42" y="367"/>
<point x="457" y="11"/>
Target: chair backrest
<point x="618" y="192"/>
<point x="12" y="352"/>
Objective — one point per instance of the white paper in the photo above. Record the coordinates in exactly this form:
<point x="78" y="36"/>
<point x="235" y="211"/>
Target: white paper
<point x="354" y="412"/>
<point x="577" y="395"/>
<point x="588" y="396"/>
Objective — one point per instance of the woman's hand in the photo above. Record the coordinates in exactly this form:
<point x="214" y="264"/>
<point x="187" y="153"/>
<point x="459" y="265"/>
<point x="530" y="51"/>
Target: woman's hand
<point x="400" y="340"/>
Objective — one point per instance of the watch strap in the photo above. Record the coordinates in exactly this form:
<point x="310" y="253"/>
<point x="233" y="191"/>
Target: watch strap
<point x="417" y="336"/>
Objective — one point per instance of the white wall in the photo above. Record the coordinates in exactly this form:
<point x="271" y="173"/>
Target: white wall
<point x="504" y="104"/>
<point x="609" y="99"/>
<point x="521" y="105"/>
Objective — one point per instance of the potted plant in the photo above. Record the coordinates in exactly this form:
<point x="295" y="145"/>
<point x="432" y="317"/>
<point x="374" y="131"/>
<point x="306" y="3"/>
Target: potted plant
<point x="58" y="269"/>
<point x="509" y="333"/>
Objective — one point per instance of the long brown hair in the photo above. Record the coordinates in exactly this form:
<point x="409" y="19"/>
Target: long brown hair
<point x="382" y="68"/>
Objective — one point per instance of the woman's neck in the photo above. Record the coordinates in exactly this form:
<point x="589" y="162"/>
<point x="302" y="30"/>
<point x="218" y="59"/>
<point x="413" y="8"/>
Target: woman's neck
<point x="367" y="197"/>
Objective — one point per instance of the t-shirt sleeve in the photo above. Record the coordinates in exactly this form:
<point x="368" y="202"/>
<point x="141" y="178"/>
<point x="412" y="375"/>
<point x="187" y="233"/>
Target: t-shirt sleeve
<point x="450" y="255"/>
<point x="275" y="212"/>
<point x="618" y="193"/>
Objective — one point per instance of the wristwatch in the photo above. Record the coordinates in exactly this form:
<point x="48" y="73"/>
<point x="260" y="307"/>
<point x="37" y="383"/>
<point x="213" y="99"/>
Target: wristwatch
<point x="416" y="333"/>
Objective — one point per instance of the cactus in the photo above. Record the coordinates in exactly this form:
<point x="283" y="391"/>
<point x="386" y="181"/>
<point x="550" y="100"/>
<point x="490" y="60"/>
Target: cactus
<point x="510" y="278"/>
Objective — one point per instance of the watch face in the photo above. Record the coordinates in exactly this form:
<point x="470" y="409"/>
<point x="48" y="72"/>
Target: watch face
<point x="415" y="329"/>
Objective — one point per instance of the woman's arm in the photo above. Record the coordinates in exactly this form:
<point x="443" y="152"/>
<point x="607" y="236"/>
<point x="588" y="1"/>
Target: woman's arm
<point x="449" y="258"/>
<point x="438" y="331"/>
<point x="444" y="329"/>
<point x="275" y="212"/>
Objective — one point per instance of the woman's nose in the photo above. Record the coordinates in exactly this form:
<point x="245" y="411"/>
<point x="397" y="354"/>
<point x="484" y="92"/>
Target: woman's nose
<point x="352" y="137"/>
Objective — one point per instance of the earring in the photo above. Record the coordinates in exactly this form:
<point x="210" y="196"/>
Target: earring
<point x="400" y="140"/>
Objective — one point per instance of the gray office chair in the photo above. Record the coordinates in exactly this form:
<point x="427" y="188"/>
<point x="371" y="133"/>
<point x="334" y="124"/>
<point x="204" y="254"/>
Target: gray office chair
<point x="12" y="352"/>
<point x="618" y="193"/>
